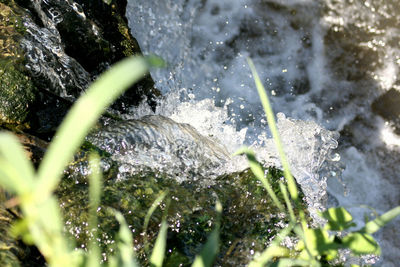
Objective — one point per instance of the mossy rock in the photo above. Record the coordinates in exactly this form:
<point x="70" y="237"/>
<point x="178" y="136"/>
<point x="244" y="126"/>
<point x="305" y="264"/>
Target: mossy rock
<point x="249" y="221"/>
<point x="96" y="35"/>
<point x="17" y="91"/>
<point x="93" y="34"/>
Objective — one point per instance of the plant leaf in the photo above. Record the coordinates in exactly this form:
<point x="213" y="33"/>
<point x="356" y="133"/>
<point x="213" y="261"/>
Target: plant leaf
<point x="258" y="172"/>
<point x="274" y="249"/>
<point x="94" y="200"/>
<point x="82" y="116"/>
<point x="157" y="256"/>
<point x="373" y="226"/>
<point x="125" y="243"/>
<point x="211" y="248"/>
<point x="318" y="243"/>
<point x="339" y="219"/>
<point x="361" y="243"/>
<point x="271" y="252"/>
<point x="292" y="262"/>
<point x="274" y="130"/>
<point x="150" y="212"/>
<point x="16" y="171"/>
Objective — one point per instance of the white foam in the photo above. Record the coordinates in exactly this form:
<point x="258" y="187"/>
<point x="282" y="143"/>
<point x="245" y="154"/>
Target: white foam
<point x="294" y="45"/>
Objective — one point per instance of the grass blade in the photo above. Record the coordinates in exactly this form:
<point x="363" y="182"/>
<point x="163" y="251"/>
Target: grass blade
<point x="211" y="248"/>
<point x="16" y="171"/>
<point x="274" y="130"/>
<point x="287" y="201"/>
<point x="125" y="243"/>
<point x="94" y="200"/>
<point x="157" y="256"/>
<point x="149" y="213"/>
<point x="82" y="116"/>
<point x="373" y="226"/>
<point x="274" y="249"/>
<point x="258" y="171"/>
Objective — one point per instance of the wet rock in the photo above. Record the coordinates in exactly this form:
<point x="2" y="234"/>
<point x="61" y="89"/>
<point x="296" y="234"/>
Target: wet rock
<point x="50" y="53"/>
<point x="17" y="91"/>
<point x="35" y="148"/>
<point x="8" y="246"/>
<point x="93" y="33"/>
<point x="387" y="106"/>
<point x="249" y="221"/>
<point x="160" y="143"/>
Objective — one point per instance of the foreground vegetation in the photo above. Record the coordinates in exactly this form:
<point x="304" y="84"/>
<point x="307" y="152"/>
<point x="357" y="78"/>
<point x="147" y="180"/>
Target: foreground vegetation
<point x="42" y="223"/>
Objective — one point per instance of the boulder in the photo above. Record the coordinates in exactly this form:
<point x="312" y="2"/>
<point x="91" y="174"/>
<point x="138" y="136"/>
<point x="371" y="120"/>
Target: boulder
<point x="387" y="106"/>
<point x="249" y="220"/>
<point x="17" y="91"/>
<point x="52" y="50"/>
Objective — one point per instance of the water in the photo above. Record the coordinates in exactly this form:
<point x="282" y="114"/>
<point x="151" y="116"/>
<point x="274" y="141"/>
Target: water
<point x="160" y="143"/>
<point x="47" y="60"/>
<point x="322" y="62"/>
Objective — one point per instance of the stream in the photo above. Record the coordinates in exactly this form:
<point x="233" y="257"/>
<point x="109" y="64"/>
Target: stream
<point x="328" y="67"/>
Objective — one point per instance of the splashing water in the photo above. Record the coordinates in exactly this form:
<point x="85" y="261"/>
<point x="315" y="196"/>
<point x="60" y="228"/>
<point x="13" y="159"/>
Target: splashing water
<point x="323" y="62"/>
<point x="46" y="58"/>
<point x="161" y="144"/>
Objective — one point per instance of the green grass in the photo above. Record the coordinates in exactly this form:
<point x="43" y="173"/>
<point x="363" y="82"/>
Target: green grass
<point x="42" y="223"/>
<point x="316" y="246"/>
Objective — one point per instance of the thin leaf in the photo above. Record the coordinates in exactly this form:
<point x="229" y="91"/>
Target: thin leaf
<point x="274" y="249"/>
<point x="94" y="200"/>
<point x="211" y="248"/>
<point x="151" y="210"/>
<point x="274" y="130"/>
<point x="318" y="243"/>
<point x="16" y="171"/>
<point x="338" y="218"/>
<point x="157" y="256"/>
<point x="373" y="226"/>
<point x="125" y="242"/>
<point x="361" y="243"/>
<point x="82" y="116"/>
<point x="258" y="171"/>
<point x="287" y="201"/>
<point x="293" y="262"/>
<point x="156" y="61"/>
<point x="46" y="229"/>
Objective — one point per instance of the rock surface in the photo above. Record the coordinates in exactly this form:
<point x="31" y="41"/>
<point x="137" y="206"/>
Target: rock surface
<point x="249" y="221"/>
<point x="52" y="50"/>
<point x="387" y="106"/>
<point x="162" y="144"/>
<point x="17" y="91"/>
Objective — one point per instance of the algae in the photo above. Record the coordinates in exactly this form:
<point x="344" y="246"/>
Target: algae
<point x="249" y="222"/>
<point x="17" y="92"/>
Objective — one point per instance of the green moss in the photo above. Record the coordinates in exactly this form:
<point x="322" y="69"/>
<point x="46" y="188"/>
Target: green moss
<point x="249" y="221"/>
<point x="17" y="91"/>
